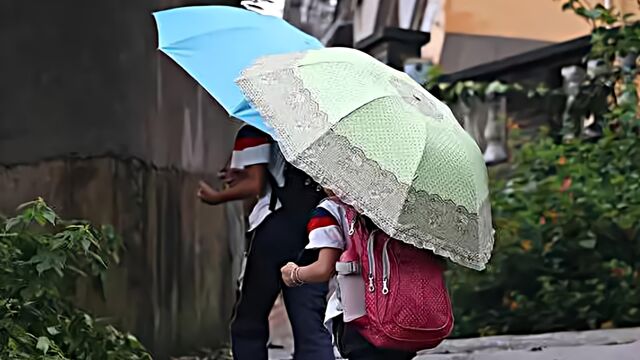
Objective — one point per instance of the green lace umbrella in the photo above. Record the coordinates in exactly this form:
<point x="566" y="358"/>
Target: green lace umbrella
<point x="382" y="143"/>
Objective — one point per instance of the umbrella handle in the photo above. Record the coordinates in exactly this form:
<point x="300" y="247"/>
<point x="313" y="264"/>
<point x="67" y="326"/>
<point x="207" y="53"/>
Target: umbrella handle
<point x="265" y="7"/>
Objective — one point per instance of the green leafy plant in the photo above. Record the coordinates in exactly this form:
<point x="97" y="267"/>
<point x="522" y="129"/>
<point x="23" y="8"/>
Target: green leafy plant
<point x="567" y="213"/>
<point x="41" y="259"/>
<point x="615" y="44"/>
<point x="469" y="91"/>
<point x="568" y="242"/>
<point x="596" y="15"/>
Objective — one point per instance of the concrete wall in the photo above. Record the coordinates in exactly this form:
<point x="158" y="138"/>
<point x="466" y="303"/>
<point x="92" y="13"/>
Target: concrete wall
<point x="104" y="127"/>
<point x="462" y="51"/>
<point x="541" y="20"/>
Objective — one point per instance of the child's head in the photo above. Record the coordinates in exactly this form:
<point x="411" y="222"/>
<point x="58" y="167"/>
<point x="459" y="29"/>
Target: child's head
<point x="328" y="192"/>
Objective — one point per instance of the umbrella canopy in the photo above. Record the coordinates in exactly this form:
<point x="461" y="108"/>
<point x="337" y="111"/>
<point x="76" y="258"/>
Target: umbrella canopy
<point x="214" y="43"/>
<point x="382" y="143"/>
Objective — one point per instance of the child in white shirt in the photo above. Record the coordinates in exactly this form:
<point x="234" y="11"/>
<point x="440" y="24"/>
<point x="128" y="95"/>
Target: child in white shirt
<point x="278" y="235"/>
<point x="328" y="231"/>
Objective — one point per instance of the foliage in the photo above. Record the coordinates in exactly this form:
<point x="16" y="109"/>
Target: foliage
<point x="568" y="242"/>
<point x="41" y="259"/>
<point x="469" y="91"/>
<point x="567" y="214"/>
<point x="597" y="15"/>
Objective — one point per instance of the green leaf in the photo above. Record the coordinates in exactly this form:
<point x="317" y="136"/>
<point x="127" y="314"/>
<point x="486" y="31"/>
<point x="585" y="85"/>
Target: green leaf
<point x="43" y="266"/>
<point x="582" y="11"/>
<point x="588" y="244"/>
<point x="34" y="300"/>
<point x="43" y="344"/>
<point x="46" y="260"/>
<point x="29" y="204"/>
<point x="86" y="243"/>
<point x="11" y="223"/>
<point x="594" y="14"/>
<point x="497" y="87"/>
<point x="50" y="216"/>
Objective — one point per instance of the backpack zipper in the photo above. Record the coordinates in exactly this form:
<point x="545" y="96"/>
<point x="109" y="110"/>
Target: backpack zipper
<point x="386" y="267"/>
<point x="370" y="253"/>
<point x="372" y="261"/>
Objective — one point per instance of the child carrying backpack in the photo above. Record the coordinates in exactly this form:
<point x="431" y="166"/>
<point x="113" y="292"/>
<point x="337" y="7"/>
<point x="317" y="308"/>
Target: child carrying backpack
<point x="391" y="299"/>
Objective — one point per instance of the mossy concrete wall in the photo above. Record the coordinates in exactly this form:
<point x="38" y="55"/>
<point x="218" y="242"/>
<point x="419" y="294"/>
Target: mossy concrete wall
<point x="102" y="126"/>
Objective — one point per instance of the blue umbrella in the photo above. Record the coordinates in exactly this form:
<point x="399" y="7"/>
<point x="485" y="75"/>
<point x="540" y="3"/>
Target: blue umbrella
<point x="215" y="43"/>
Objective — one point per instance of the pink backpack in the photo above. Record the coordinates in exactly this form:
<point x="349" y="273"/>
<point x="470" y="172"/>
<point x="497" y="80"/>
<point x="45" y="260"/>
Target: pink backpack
<point x="406" y="300"/>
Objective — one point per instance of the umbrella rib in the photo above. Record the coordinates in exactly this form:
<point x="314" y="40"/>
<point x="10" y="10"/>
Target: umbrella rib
<point x="369" y="102"/>
<point x="175" y="44"/>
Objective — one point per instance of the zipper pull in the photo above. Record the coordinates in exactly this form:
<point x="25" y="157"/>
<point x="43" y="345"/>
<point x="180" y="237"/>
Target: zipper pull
<point x="372" y="261"/>
<point x="386" y="268"/>
<point x="352" y="227"/>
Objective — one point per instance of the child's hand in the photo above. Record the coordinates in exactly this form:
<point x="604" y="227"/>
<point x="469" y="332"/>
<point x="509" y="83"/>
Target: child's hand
<point x="207" y="194"/>
<point x="231" y="176"/>
<point x="288" y="274"/>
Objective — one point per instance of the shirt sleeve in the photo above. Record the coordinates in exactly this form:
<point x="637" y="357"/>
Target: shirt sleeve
<point x="324" y="231"/>
<point x="252" y="147"/>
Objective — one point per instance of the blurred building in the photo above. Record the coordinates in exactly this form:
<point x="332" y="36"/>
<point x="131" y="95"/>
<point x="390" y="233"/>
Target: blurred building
<point x="528" y="42"/>
<point x="469" y="33"/>
<point x="524" y="41"/>
<point x="456" y="34"/>
<point x="390" y="30"/>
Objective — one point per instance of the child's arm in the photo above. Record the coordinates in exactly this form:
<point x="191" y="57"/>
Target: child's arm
<point x="320" y="271"/>
<point x="229" y="175"/>
<point x="250" y="185"/>
<point x="252" y="154"/>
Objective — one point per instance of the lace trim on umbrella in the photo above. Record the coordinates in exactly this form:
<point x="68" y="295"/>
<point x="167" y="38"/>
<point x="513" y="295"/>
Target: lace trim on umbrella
<point x="277" y="74"/>
<point x="415" y="217"/>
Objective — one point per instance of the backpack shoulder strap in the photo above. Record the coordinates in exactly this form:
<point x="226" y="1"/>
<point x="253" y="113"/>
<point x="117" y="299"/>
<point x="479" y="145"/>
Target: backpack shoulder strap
<point x="352" y="217"/>
<point x="273" y="201"/>
<point x="356" y="230"/>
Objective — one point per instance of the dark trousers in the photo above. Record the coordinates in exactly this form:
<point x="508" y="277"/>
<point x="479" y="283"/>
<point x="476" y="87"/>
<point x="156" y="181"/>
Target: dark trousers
<point x="353" y="346"/>
<point x="274" y="244"/>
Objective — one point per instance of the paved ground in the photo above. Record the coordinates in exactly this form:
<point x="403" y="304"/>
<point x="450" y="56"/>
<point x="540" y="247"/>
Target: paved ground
<point x="621" y="344"/>
<point x="602" y="352"/>
<point x="618" y="344"/>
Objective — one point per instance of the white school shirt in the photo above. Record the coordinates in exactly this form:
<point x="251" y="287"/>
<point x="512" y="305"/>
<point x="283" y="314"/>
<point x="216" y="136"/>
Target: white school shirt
<point x="329" y="228"/>
<point x="254" y="147"/>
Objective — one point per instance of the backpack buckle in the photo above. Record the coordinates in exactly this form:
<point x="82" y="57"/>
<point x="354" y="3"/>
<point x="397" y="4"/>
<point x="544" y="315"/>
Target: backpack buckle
<point x="347" y="268"/>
